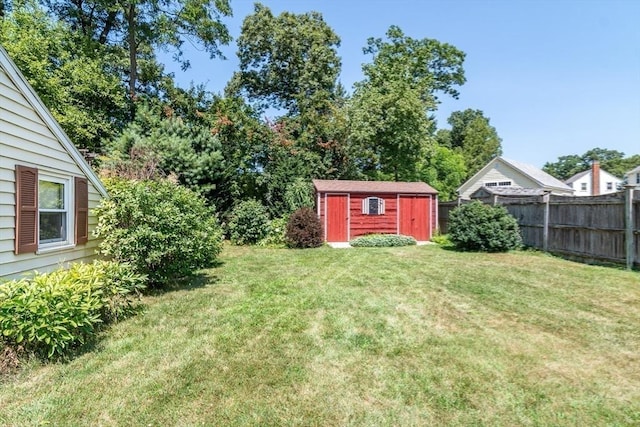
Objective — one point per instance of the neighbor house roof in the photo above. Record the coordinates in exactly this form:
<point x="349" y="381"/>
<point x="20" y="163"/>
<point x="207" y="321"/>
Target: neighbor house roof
<point x="536" y="174"/>
<point x="634" y="170"/>
<point x="43" y="112"/>
<point x="329" y="186"/>
<point x="510" y="191"/>
<point x="582" y="174"/>
<point x="543" y="179"/>
<point x="577" y="176"/>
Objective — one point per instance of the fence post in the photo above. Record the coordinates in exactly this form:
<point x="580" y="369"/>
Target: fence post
<point x="545" y="225"/>
<point x="628" y="225"/>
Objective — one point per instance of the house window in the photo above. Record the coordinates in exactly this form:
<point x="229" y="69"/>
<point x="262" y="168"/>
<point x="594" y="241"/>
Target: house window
<point x="498" y="184"/>
<point x="373" y="206"/>
<point x="638" y="178"/>
<point x="53" y="210"/>
<point x="609" y="185"/>
<point x="583" y="186"/>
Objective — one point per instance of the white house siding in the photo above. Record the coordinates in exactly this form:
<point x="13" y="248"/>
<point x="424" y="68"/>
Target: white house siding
<point x="605" y="178"/>
<point x="499" y="172"/>
<point x="26" y="140"/>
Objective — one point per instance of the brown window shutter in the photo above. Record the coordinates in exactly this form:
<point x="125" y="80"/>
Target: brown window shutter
<point x="26" y="239"/>
<point x="82" y="210"/>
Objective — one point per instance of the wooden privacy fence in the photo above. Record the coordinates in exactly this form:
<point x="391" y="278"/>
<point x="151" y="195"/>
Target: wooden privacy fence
<point x="592" y="229"/>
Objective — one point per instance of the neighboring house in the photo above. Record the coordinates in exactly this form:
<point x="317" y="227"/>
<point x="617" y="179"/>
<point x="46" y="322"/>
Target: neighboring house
<point x="594" y="182"/>
<point x="490" y="195"/>
<point x="505" y="173"/>
<point x="633" y="177"/>
<point x="47" y="190"/>
<point x="349" y="209"/>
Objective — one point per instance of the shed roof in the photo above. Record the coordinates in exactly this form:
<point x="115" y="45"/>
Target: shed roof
<point x="327" y="186"/>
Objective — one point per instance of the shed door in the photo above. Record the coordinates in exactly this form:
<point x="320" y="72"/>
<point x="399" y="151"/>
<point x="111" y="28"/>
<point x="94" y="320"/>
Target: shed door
<point x="414" y="217"/>
<point x="337" y="218"/>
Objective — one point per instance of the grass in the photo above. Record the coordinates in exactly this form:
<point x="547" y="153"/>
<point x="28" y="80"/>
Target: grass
<point x="393" y="336"/>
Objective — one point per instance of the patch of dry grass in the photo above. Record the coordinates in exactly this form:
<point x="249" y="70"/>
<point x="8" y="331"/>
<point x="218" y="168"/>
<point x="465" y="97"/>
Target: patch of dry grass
<point x="394" y="336"/>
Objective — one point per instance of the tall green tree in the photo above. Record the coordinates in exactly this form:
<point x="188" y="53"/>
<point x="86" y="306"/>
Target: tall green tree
<point x="76" y="81"/>
<point x="473" y="136"/>
<point x="143" y="26"/>
<point x="289" y="61"/>
<point x="389" y="130"/>
<point x="612" y="161"/>
<point x="445" y="170"/>
<point x="389" y="113"/>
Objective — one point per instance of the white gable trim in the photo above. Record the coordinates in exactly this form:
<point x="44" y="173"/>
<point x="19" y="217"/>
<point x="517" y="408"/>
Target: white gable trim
<point x="471" y="181"/>
<point x="464" y="187"/>
<point x="18" y="79"/>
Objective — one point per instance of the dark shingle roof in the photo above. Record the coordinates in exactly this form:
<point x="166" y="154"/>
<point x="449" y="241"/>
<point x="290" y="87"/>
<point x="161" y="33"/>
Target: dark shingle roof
<point x="326" y="186"/>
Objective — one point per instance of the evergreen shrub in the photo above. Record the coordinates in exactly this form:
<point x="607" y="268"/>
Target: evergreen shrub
<point x="304" y="229"/>
<point x="480" y="227"/>
<point x="249" y="223"/>
<point x="162" y="229"/>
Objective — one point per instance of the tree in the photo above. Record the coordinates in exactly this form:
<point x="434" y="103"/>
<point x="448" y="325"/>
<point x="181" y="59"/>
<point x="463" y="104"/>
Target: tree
<point x="142" y="26"/>
<point x="429" y="66"/>
<point x="565" y="167"/>
<point x="287" y="62"/>
<point x="389" y="130"/>
<point x="290" y="62"/>
<point x="389" y="118"/>
<point x="177" y="147"/>
<point x="75" y="81"/>
<point x="612" y="161"/>
<point x="444" y="169"/>
<point x="473" y="136"/>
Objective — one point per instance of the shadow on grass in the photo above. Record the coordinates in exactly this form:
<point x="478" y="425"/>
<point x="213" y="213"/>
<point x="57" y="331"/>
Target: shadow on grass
<point x="197" y="280"/>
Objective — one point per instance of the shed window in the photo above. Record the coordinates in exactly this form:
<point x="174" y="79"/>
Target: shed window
<point x="373" y="206"/>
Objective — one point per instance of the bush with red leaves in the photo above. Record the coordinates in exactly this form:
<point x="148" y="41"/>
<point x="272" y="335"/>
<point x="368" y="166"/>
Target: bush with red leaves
<point x="304" y="229"/>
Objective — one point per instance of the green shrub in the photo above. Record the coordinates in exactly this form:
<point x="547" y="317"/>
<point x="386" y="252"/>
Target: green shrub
<point x="276" y="233"/>
<point x="163" y="230"/>
<point x="441" y="239"/>
<point x="249" y="222"/>
<point x="304" y="229"/>
<point x="480" y="227"/>
<point x="53" y="312"/>
<point x="382" y="240"/>
<point x="299" y="194"/>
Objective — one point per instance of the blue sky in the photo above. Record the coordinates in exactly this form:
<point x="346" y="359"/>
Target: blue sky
<point x="554" y="77"/>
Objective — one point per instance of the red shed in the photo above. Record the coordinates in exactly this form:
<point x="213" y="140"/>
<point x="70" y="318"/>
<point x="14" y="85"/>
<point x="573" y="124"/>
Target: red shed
<point x="349" y="209"/>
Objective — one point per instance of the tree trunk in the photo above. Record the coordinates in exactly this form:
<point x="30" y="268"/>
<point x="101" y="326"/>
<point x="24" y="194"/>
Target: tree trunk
<point x="108" y="25"/>
<point x="133" y="63"/>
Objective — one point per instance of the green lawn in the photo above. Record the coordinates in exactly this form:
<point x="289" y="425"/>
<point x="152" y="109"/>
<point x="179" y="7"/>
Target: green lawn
<point x="398" y="336"/>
